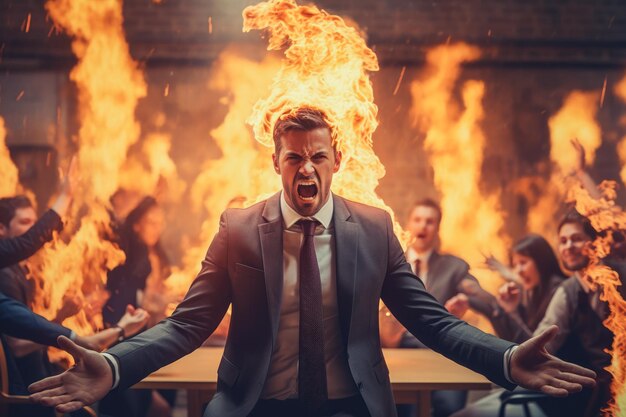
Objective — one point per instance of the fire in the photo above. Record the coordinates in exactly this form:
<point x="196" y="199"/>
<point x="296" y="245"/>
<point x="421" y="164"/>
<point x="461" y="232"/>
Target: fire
<point x="605" y="216"/>
<point x="109" y="86"/>
<point x="575" y="119"/>
<point x="326" y="66"/>
<point x="455" y="144"/>
<point x="244" y="168"/>
<point x="145" y="172"/>
<point x="620" y="91"/>
<point x="9" y="178"/>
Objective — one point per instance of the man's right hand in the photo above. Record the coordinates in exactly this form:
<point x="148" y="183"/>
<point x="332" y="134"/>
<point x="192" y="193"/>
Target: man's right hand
<point x="81" y="385"/>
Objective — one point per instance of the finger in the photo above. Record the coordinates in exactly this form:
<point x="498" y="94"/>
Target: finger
<point x="45" y="384"/>
<point x="574" y="369"/>
<point x="554" y="391"/>
<point x="58" y="400"/>
<point x="70" y="407"/>
<point x="541" y="340"/>
<point x="571" y="387"/>
<point x="577" y="379"/>
<point x="54" y="392"/>
<point x="70" y="347"/>
<point x="130" y="309"/>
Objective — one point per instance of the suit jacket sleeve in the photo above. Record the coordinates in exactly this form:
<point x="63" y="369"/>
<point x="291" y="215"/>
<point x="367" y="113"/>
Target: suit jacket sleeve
<point x="18" y="321"/>
<point x="421" y="314"/>
<point x="14" y="250"/>
<point x="193" y="321"/>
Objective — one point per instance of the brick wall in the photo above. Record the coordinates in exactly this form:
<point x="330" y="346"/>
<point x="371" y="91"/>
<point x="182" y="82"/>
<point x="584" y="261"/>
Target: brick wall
<point x="508" y="30"/>
<point x="533" y="54"/>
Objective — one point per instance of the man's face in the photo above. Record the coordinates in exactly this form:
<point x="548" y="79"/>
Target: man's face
<point x="20" y="223"/>
<point x="306" y="164"/>
<point x="424" y="227"/>
<point x="573" y="246"/>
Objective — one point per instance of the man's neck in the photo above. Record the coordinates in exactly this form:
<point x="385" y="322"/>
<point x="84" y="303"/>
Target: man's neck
<point x="421" y="252"/>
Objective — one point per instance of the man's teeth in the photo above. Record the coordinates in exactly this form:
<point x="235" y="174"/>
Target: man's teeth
<point x="313" y="193"/>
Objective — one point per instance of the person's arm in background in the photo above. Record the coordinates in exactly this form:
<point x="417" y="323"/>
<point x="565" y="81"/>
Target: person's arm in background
<point x="131" y="323"/>
<point x="478" y="299"/>
<point x="581" y="173"/>
<point x="506" y="320"/>
<point x="18" y="321"/>
<point x="14" y="250"/>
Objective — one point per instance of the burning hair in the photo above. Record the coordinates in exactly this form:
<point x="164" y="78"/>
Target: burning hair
<point x="302" y="119"/>
<point x="573" y="216"/>
<point x="9" y="205"/>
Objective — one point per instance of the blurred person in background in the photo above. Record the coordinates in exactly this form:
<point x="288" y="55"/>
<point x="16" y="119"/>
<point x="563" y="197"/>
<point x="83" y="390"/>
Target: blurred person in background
<point x="447" y="278"/>
<point x="521" y="305"/>
<point x="27" y="361"/>
<point x="140" y="282"/>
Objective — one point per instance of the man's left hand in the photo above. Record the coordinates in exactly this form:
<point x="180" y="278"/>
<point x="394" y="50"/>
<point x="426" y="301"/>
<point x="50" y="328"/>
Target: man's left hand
<point x="534" y="368"/>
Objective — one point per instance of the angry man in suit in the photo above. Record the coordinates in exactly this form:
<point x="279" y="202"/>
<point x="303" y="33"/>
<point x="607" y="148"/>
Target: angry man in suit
<point x="304" y="271"/>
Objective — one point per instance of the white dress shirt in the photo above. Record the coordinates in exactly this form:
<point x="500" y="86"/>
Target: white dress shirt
<point x="282" y="377"/>
<point x="412" y="256"/>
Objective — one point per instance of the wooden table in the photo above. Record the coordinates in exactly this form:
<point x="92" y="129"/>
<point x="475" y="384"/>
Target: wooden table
<point x="414" y="374"/>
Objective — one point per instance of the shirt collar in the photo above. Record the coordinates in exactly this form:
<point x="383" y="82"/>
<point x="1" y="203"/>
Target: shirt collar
<point x="412" y="255"/>
<point x="290" y="216"/>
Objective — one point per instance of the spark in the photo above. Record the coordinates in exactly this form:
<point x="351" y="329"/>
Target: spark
<point x="395" y="90"/>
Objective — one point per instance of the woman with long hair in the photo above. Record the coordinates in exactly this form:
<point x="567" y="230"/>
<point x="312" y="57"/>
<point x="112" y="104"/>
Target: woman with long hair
<point x="522" y="304"/>
<point x="139" y="281"/>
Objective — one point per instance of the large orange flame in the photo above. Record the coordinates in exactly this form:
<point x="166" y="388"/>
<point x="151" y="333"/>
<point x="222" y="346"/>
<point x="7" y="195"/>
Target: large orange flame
<point x="326" y="66"/>
<point x="620" y="91"/>
<point x="9" y="178"/>
<point x="243" y="171"/>
<point x="605" y="216"/>
<point x="472" y="222"/>
<point x="109" y="86"/>
<point x="575" y="119"/>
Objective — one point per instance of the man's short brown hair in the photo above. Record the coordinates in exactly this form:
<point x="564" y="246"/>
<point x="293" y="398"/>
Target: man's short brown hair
<point x="574" y="217"/>
<point x="9" y="205"/>
<point x="428" y="202"/>
<point x="302" y="119"/>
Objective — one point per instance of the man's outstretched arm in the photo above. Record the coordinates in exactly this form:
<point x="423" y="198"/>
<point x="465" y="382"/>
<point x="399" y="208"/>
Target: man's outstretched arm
<point x="528" y="365"/>
<point x="193" y="321"/>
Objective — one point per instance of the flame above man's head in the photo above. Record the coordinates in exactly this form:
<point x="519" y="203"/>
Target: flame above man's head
<point x="325" y="66"/>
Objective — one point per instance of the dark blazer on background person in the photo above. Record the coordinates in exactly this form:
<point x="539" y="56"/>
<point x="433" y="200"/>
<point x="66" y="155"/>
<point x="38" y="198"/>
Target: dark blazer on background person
<point x="451" y="276"/>
<point x="14" y="250"/>
<point x="18" y="321"/>
<point x="244" y="266"/>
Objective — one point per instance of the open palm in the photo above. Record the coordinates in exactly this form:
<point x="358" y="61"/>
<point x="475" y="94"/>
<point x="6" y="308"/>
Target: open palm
<point x="534" y="368"/>
<point x="86" y="382"/>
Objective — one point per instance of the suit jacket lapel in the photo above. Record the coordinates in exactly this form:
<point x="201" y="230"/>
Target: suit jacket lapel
<point x="346" y="245"/>
<point x="271" y="236"/>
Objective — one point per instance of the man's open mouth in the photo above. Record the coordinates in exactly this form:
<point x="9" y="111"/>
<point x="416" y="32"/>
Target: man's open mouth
<point x="307" y="190"/>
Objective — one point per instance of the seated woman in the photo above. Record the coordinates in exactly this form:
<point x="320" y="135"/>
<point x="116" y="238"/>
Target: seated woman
<point x="140" y="282"/>
<point x="521" y="306"/>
